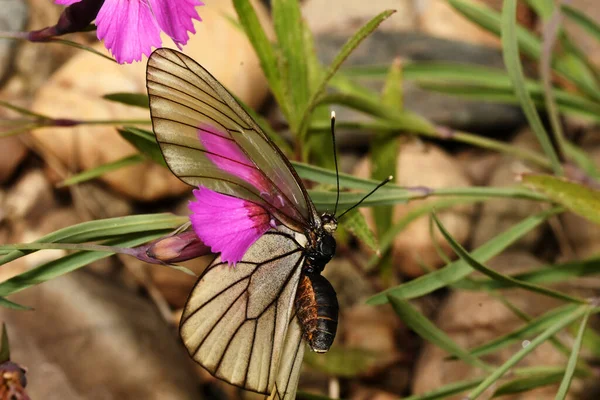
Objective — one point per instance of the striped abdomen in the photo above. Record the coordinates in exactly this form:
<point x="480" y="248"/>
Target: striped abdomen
<point x="317" y="311"/>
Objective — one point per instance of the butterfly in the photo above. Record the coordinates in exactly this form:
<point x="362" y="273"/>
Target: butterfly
<point x="263" y="298"/>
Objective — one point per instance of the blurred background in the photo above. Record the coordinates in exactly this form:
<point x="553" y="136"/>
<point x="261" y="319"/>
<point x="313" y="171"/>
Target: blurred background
<point x="109" y="331"/>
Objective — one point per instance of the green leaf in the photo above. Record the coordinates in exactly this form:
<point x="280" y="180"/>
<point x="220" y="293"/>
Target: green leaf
<point x="264" y="50"/>
<point x="343" y="362"/>
<point x="584" y="21"/>
<point x="459" y="269"/>
<point x="544" y="275"/>
<point x="106" y="229"/>
<point x="100" y="170"/>
<point x="579" y="199"/>
<point x="572" y="364"/>
<point x="517" y="357"/>
<point x="13" y="306"/>
<point x="446" y="391"/>
<point x="130" y="99"/>
<point x="145" y="142"/>
<point x="526" y="383"/>
<point x="287" y="21"/>
<point x="428" y="331"/>
<point x="69" y="263"/>
<point x="348" y="47"/>
<point x="385" y="147"/>
<point x="355" y="222"/>
<point x="5" y="346"/>
<point x="510" y="51"/>
<point x="465" y="256"/>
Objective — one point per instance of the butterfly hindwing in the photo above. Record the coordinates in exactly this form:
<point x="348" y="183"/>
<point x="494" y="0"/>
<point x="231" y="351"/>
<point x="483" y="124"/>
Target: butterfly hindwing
<point x="235" y="323"/>
<point x="286" y="382"/>
<point x="207" y="139"/>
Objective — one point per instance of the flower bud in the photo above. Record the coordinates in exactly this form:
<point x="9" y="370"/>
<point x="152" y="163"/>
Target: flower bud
<point x="74" y="18"/>
<point x="171" y="249"/>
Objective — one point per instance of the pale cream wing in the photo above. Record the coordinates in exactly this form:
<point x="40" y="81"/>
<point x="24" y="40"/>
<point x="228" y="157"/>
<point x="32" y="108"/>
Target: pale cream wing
<point x="237" y="317"/>
<point x="290" y="364"/>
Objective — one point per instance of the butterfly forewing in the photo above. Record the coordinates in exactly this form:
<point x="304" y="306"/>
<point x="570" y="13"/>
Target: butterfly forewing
<point x="235" y="322"/>
<point x="208" y="140"/>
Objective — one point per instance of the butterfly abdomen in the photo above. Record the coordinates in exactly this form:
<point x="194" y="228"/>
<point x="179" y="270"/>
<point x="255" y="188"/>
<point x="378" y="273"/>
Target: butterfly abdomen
<point x="317" y="310"/>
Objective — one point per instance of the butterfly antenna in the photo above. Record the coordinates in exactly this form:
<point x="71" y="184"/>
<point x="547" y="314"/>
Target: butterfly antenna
<point x="387" y="180"/>
<point x="337" y="172"/>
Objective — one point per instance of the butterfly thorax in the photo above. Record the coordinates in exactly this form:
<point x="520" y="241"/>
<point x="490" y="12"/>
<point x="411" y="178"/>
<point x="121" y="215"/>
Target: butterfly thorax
<point x="321" y="245"/>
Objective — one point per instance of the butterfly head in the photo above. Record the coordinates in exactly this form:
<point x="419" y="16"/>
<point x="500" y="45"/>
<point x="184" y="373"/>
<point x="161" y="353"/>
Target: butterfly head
<point x="329" y="223"/>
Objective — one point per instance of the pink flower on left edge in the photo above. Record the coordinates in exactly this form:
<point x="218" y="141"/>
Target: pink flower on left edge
<point x="131" y="28"/>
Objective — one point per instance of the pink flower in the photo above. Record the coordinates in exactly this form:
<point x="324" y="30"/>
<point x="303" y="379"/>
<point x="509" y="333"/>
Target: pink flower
<point x="226" y="224"/>
<point x="131" y="28"/>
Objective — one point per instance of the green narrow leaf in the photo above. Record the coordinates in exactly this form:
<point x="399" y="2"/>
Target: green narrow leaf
<point x="580" y="199"/>
<point x="105" y="229"/>
<point x="510" y="51"/>
<point x="348" y="47"/>
<point x="584" y="21"/>
<point x="526" y="383"/>
<point x="572" y="364"/>
<point x="355" y="222"/>
<point x="428" y="331"/>
<point x="446" y="391"/>
<point x="130" y="99"/>
<point x="4" y="346"/>
<point x="512" y="361"/>
<point x="459" y="269"/>
<point x="287" y="21"/>
<point x="145" y="142"/>
<point x="13" y="306"/>
<point x="100" y="170"/>
<point x="264" y="49"/>
<point x="385" y="147"/>
<point x="69" y="263"/>
<point x="465" y="256"/>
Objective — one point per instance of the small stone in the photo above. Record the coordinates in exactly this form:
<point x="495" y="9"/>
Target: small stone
<point x="30" y="197"/>
<point x="12" y="152"/>
<point x="84" y="337"/>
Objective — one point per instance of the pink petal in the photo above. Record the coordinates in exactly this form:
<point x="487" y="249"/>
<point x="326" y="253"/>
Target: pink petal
<point x="227" y="155"/>
<point x="227" y="224"/>
<point x="128" y="29"/>
<point x="175" y="18"/>
<point x="66" y="2"/>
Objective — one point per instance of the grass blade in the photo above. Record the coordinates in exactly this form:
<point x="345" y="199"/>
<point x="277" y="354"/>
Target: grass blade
<point x="512" y="361"/>
<point x="459" y="269"/>
<point x="465" y="256"/>
<point x="428" y="331"/>
<point x="350" y="45"/>
<point x="512" y="62"/>
<point x="572" y="364"/>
